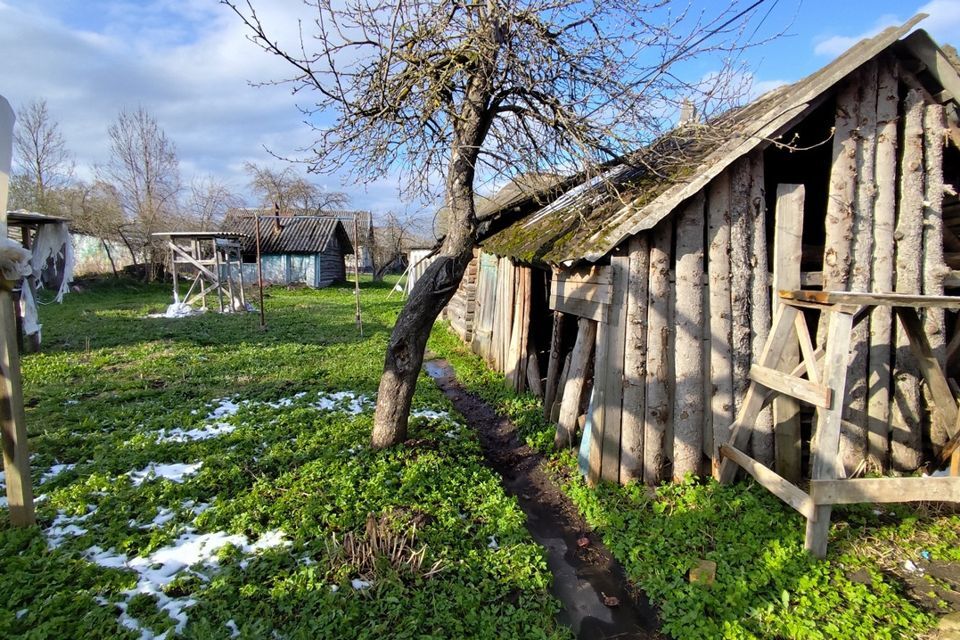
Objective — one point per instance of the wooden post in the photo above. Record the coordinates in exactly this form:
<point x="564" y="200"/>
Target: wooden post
<point x="598" y="406"/>
<point x="688" y="403"/>
<point x="553" y="364"/>
<point x="612" y="371"/>
<point x="740" y="294"/>
<point x="219" y="279"/>
<point x="635" y="361"/>
<point x="787" y="251"/>
<point x="356" y="271"/>
<point x="16" y="453"/>
<point x="934" y="268"/>
<point x="906" y="418"/>
<point x="173" y="272"/>
<point x="33" y="343"/>
<point x="824" y="450"/>
<point x="580" y="362"/>
<point x="243" y="296"/>
<point x="658" y="404"/>
<point x="853" y="431"/>
<point x="763" y="445"/>
<point x="263" y="321"/>
<point x="721" y="358"/>
<point x="561" y="385"/>
<point x="884" y="215"/>
<point x="515" y="367"/>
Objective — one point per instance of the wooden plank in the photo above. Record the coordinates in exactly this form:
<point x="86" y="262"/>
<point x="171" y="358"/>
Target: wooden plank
<point x="598" y="406"/>
<point x="787" y="254"/>
<point x="553" y="363"/>
<point x="934" y="268"/>
<point x="688" y="402"/>
<point x="856" y="298"/>
<point x="534" y="383"/>
<point x="762" y="440"/>
<point x="944" y="402"/>
<point x="740" y="291"/>
<point x="884" y="490"/>
<point x="906" y="417"/>
<point x="884" y="217"/>
<point x="557" y="402"/>
<point x="806" y="349"/>
<point x="580" y="366"/>
<point x="16" y="455"/>
<point x="772" y="481"/>
<point x="753" y="401"/>
<point x="613" y="370"/>
<point x="824" y="449"/>
<point x="853" y="432"/>
<point x="841" y="196"/>
<point x="815" y="394"/>
<point x="635" y="361"/>
<point x="515" y="367"/>
<point x="583" y="291"/>
<point x="659" y="349"/>
<point x="595" y="311"/>
<point x="590" y="273"/>
<point x="718" y="290"/>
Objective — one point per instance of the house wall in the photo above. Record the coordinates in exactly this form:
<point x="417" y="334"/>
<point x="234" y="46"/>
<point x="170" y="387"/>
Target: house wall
<point x="315" y="270"/>
<point x="91" y="254"/>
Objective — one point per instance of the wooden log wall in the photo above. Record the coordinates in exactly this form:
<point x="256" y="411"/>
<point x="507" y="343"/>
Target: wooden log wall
<point x="681" y="311"/>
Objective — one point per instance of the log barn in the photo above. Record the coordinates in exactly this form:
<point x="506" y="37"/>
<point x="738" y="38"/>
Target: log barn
<point x="634" y="302"/>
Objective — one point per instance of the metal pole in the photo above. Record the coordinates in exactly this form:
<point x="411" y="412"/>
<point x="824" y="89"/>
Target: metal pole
<point x="263" y="321"/>
<point x="356" y="270"/>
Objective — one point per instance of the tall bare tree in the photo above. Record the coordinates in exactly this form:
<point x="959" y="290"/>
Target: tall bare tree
<point x="393" y="234"/>
<point x="289" y="191"/>
<point x="210" y="199"/>
<point x="467" y="89"/>
<point x="146" y="173"/>
<point x="94" y="209"/>
<point x="42" y="163"/>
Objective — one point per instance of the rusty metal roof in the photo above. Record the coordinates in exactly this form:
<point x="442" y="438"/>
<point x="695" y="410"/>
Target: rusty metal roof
<point x="591" y="219"/>
<point x="296" y="234"/>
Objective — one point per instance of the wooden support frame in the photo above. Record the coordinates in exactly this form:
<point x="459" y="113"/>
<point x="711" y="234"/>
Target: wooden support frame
<point x="773" y="375"/>
<point x="210" y="257"/>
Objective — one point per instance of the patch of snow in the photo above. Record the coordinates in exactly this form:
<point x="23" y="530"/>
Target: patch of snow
<point x="334" y="588"/>
<point x="174" y="472"/>
<point x="225" y="407"/>
<point x="430" y="414"/>
<point x="161" y="567"/>
<point x="345" y="401"/>
<point x="941" y="473"/>
<point x="200" y="433"/>
<point x="493" y="543"/>
<point x="286" y="402"/>
<point x="22" y="613"/>
<point x="234" y="631"/>
<point x="911" y="567"/>
<point x="360" y="585"/>
<point x="163" y="516"/>
<point x="71" y="402"/>
<point x="65" y="526"/>
<point x="54" y="471"/>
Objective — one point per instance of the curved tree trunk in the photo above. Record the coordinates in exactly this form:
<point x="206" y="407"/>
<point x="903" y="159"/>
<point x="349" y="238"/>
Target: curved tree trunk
<point x="434" y="289"/>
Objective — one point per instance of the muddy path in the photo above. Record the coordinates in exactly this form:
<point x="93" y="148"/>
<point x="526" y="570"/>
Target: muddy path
<point x="586" y="578"/>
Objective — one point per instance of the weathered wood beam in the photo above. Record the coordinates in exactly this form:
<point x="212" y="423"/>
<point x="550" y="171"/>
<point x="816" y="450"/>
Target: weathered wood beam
<point x="884" y="490"/>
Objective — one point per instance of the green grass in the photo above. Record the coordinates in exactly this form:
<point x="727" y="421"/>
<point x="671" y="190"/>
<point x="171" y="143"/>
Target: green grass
<point x="766" y="585"/>
<point x="111" y="381"/>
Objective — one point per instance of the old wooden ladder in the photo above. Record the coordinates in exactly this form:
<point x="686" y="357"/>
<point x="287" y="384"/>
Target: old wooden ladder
<point x="825" y="387"/>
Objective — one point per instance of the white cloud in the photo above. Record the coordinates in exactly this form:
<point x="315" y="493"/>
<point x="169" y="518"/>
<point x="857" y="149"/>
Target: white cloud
<point x="943" y="25"/>
<point x="188" y="63"/>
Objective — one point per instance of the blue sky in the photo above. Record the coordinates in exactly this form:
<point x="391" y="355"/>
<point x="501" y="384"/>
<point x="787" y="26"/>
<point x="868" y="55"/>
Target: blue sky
<point x="188" y="62"/>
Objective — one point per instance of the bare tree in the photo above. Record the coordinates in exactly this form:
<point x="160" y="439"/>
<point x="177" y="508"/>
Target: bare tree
<point x="42" y="163"/>
<point x="393" y="234"/>
<point x="210" y="199"/>
<point x="467" y="90"/>
<point x="286" y="190"/>
<point x="94" y="209"/>
<point x="144" y="169"/>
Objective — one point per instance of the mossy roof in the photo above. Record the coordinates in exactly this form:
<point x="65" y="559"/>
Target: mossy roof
<point x="604" y="209"/>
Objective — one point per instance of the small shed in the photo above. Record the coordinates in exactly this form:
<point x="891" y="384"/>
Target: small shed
<point x="293" y="249"/>
<point x="639" y="298"/>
